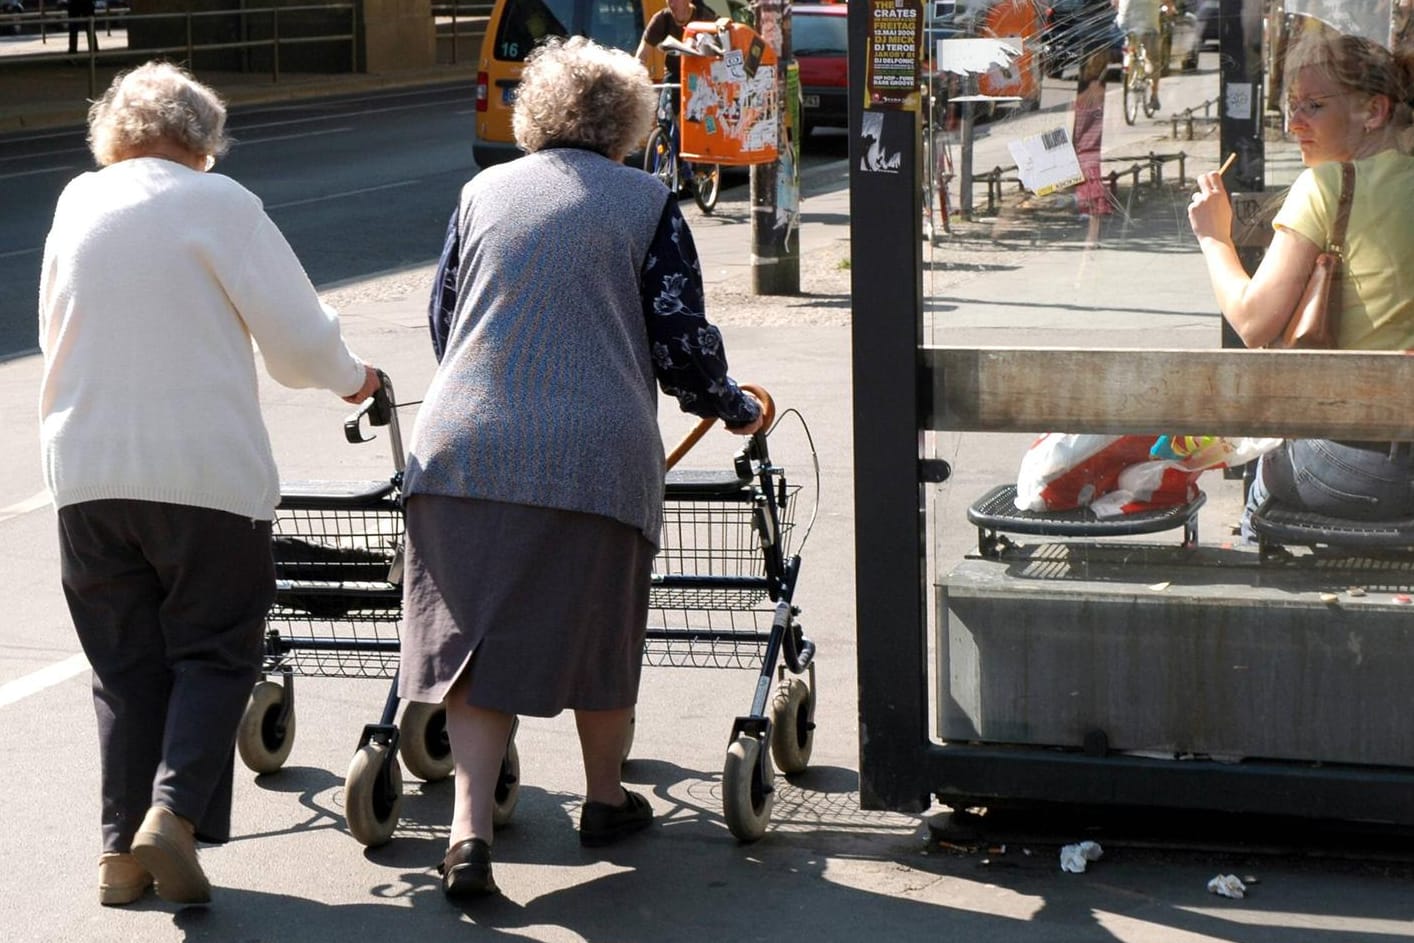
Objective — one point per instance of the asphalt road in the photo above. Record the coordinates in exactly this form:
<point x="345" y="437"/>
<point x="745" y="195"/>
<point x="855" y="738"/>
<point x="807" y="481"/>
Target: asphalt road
<point x="359" y="185"/>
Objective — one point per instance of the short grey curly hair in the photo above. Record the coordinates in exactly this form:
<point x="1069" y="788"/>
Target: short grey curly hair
<point x="577" y="93"/>
<point x="156" y="101"/>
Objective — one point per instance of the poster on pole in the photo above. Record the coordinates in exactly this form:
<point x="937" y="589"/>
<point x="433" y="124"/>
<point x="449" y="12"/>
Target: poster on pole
<point x="891" y="67"/>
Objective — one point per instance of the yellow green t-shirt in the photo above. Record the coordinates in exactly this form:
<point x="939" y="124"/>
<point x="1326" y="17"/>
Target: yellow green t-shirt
<point x="1378" y="289"/>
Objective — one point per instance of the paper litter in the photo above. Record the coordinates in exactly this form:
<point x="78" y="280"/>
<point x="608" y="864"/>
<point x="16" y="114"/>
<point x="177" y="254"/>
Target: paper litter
<point x="1227" y="885"/>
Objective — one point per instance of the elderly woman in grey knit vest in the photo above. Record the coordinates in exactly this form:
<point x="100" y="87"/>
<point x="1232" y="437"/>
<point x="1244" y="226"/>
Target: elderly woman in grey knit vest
<point x="569" y="286"/>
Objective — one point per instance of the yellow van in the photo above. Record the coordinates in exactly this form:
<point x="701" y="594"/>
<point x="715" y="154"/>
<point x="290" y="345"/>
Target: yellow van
<point x="513" y="30"/>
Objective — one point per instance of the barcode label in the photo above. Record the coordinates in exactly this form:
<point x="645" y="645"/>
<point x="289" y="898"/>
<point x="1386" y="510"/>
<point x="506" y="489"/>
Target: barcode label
<point x="1051" y="140"/>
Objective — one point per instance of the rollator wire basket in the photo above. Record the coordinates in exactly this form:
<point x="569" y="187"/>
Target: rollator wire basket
<point x="338" y="549"/>
<point x="713" y="596"/>
<point x="338" y="592"/>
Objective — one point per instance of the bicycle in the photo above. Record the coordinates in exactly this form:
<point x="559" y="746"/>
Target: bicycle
<point x="662" y="160"/>
<point x="1138" y="79"/>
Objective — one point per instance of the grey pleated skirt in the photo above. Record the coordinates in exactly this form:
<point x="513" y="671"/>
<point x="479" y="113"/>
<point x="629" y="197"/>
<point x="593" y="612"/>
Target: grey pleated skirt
<point x="543" y="609"/>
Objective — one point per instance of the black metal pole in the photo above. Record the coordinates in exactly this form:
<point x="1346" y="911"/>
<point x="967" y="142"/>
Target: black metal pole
<point x="1241" y="104"/>
<point x="886" y="259"/>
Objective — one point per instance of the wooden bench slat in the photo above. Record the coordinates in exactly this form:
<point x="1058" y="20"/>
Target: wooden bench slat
<point x="1355" y="395"/>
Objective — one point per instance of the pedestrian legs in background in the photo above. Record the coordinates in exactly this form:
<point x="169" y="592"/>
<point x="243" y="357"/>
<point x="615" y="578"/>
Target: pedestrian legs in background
<point x="81" y="21"/>
<point x="1091" y="197"/>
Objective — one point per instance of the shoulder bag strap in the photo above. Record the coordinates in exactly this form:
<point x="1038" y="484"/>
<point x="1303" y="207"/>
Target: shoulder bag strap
<point x="1342" y="213"/>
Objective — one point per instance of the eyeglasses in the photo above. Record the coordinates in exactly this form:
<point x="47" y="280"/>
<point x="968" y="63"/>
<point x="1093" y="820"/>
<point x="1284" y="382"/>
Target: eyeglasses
<point x="1308" y="107"/>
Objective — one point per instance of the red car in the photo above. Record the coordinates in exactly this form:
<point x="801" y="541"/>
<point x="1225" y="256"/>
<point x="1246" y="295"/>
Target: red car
<point x="819" y="42"/>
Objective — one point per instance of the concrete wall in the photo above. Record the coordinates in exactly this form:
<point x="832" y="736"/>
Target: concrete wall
<point x="398" y="34"/>
<point x="392" y="35"/>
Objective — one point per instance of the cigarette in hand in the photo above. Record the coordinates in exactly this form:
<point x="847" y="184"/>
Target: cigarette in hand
<point x="1227" y="164"/>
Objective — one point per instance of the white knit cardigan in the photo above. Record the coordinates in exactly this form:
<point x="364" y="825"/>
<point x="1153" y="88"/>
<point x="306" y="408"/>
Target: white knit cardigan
<point x="156" y="279"/>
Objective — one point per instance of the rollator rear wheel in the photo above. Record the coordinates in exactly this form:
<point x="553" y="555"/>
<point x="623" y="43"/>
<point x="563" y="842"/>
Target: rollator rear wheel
<point x="747" y="792"/>
<point x="792" y="726"/>
<point x="507" y="786"/>
<point x="371" y="799"/>
<point x="262" y="741"/>
<point x="423" y="743"/>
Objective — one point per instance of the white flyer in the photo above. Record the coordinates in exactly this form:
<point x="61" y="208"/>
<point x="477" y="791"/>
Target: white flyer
<point x="1046" y="162"/>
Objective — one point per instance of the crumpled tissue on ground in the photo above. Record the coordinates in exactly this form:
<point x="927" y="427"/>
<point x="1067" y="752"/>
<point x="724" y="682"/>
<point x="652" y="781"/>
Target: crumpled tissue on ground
<point x="1074" y="858"/>
<point x="1228" y="885"/>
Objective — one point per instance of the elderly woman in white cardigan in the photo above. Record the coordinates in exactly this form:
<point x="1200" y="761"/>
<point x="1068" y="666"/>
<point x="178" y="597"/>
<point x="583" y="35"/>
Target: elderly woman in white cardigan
<point x="156" y="278"/>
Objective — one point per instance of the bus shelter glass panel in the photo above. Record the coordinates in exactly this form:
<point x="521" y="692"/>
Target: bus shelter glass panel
<point x="1059" y="155"/>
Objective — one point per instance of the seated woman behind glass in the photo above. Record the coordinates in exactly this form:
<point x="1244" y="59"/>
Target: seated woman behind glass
<point x="1348" y="101"/>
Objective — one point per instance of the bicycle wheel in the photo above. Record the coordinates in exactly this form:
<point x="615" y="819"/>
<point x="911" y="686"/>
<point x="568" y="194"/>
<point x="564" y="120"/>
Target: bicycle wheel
<point x="1133" y="85"/>
<point x="659" y="159"/>
<point x="706" y="184"/>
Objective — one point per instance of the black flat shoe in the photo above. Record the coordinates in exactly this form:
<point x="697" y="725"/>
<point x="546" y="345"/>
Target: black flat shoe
<point x="602" y="824"/>
<point x="466" y="870"/>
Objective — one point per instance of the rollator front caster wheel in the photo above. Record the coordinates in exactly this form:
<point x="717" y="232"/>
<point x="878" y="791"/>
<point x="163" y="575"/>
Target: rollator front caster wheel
<point x="423" y="742"/>
<point x="747" y="791"/>
<point x="792" y="726"/>
<point x="507" y="786"/>
<point x="373" y="792"/>
<point x="264" y="742"/>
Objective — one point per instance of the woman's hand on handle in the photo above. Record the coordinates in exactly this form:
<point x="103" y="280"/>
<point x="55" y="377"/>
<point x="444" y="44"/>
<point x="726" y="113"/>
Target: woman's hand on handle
<point x="371" y="382"/>
<point x="765" y="410"/>
<point x="755" y="426"/>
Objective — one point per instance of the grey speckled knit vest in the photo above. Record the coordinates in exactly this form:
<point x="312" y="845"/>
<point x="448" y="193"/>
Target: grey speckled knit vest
<point x="546" y="395"/>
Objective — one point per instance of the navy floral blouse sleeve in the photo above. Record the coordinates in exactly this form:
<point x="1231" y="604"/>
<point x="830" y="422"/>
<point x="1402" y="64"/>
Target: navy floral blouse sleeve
<point x="687" y="349"/>
<point x="442" y="306"/>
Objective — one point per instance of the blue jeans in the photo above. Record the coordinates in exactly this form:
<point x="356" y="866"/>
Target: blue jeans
<point x="1356" y="481"/>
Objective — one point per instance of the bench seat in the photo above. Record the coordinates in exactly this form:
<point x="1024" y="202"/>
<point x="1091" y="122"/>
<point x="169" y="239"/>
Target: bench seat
<point x="1278" y="526"/>
<point x="996" y="513"/>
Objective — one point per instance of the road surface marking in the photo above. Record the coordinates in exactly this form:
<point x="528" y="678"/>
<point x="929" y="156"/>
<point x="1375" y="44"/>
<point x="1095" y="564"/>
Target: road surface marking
<point x="246" y="142"/>
<point x="37" y="681"/>
<point x="66" y="168"/>
<point x="340" y="196"/>
<point x="33" y="503"/>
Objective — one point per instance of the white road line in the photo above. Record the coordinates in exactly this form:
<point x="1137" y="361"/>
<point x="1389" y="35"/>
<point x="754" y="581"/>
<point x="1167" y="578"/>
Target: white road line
<point x="238" y="129"/>
<point x="33" y="683"/>
<point x="18" y="252"/>
<point x="32" y="503"/>
<point x="42" y="170"/>
<point x="340" y="196"/>
<point x="246" y="142"/>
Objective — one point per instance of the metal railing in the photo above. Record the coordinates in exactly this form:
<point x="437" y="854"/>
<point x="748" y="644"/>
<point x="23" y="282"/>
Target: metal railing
<point x="190" y="47"/>
<point x="1143" y="169"/>
<point x="471" y="14"/>
<point x="1188" y="115"/>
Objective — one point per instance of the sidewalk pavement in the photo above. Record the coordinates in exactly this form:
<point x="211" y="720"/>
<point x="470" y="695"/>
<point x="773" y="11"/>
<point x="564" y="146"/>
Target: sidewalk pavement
<point x="826" y="869"/>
